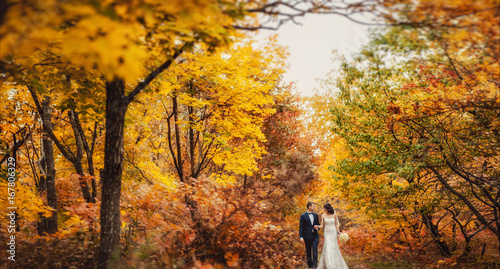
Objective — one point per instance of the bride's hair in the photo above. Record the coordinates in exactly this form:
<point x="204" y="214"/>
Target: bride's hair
<point x="329" y="208"/>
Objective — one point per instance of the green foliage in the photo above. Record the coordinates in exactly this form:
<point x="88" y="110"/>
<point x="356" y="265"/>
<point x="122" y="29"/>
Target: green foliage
<point x="416" y="118"/>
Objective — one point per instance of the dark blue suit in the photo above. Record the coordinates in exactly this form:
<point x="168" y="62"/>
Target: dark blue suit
<point x="311" y="238"/>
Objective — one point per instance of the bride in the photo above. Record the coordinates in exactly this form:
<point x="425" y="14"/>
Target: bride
<point x="331" y="258"/>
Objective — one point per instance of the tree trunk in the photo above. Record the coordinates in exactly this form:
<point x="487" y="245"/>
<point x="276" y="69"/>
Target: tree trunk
<point x="90" y="162"/>
<point x="475" y="210"/>
<point x="113" y="166"/>
<point x="77" y="161"/>
<point x="48" y="225"/>
<point x="498" y="235"/>
<point x="467" y="248"/>
<point x="116" y="107"/>
<point x="191" y="143"/>
<point x="177" y="131"/>
<point x="89" y="151"/>
<point x="433" y="229"/>
<point x="83" y="183"/>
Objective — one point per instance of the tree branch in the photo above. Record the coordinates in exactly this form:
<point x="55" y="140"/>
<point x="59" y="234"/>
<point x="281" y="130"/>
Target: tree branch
<point x="155" y="73"/>
<point x="65" y="151"/>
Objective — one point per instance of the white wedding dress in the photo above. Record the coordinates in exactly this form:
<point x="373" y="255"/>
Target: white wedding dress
<point x="331" y="258"/>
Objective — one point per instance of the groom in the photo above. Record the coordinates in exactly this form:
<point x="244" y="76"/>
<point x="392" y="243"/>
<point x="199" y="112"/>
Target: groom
<point x="309" y="234"/>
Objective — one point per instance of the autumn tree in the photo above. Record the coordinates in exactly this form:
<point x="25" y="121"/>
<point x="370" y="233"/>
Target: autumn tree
<point x="209" y="109"/>
<point x="45" y="80"/>
<point x="417" y="114"/>
<point x="289" y="162"/>
<point x="46" y="182"/>
<point x="19" y="125"/>
<point x="127" y="45"/>
<point x="81" y="145"/>
<point x="115" y="68"/>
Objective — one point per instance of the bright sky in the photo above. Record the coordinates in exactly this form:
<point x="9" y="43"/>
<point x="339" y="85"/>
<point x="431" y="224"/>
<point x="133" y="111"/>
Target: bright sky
<point x="311" y="46"/>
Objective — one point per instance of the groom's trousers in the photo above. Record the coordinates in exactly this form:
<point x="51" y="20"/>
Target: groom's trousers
<point x="312" y="251"/>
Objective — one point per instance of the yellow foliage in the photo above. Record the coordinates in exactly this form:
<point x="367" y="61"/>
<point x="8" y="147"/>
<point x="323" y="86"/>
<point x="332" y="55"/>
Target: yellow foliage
<point x="27" y="203"/>
<point x="229" y="95"/>
<point x="113" y="37"/>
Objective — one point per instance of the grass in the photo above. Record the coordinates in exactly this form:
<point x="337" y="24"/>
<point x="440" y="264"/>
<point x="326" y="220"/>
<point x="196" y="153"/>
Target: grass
<point x="393" y="265"/>
<point x="359" y="261"/>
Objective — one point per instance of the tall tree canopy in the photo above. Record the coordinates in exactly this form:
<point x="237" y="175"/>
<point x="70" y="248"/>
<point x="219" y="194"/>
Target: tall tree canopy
<point x="418" y="115"/>
<point x="152" y="132"/>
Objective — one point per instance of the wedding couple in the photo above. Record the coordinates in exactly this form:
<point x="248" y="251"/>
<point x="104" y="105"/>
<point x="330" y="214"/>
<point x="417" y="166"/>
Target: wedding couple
<point x="331" y="258"/>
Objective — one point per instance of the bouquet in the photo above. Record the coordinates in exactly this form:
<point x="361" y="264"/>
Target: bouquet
<point x="343" y="237"/>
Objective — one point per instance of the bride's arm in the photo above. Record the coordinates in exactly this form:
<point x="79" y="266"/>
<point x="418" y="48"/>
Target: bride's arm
<point x="322" y="224"/>
<point x="337" y="223"/>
